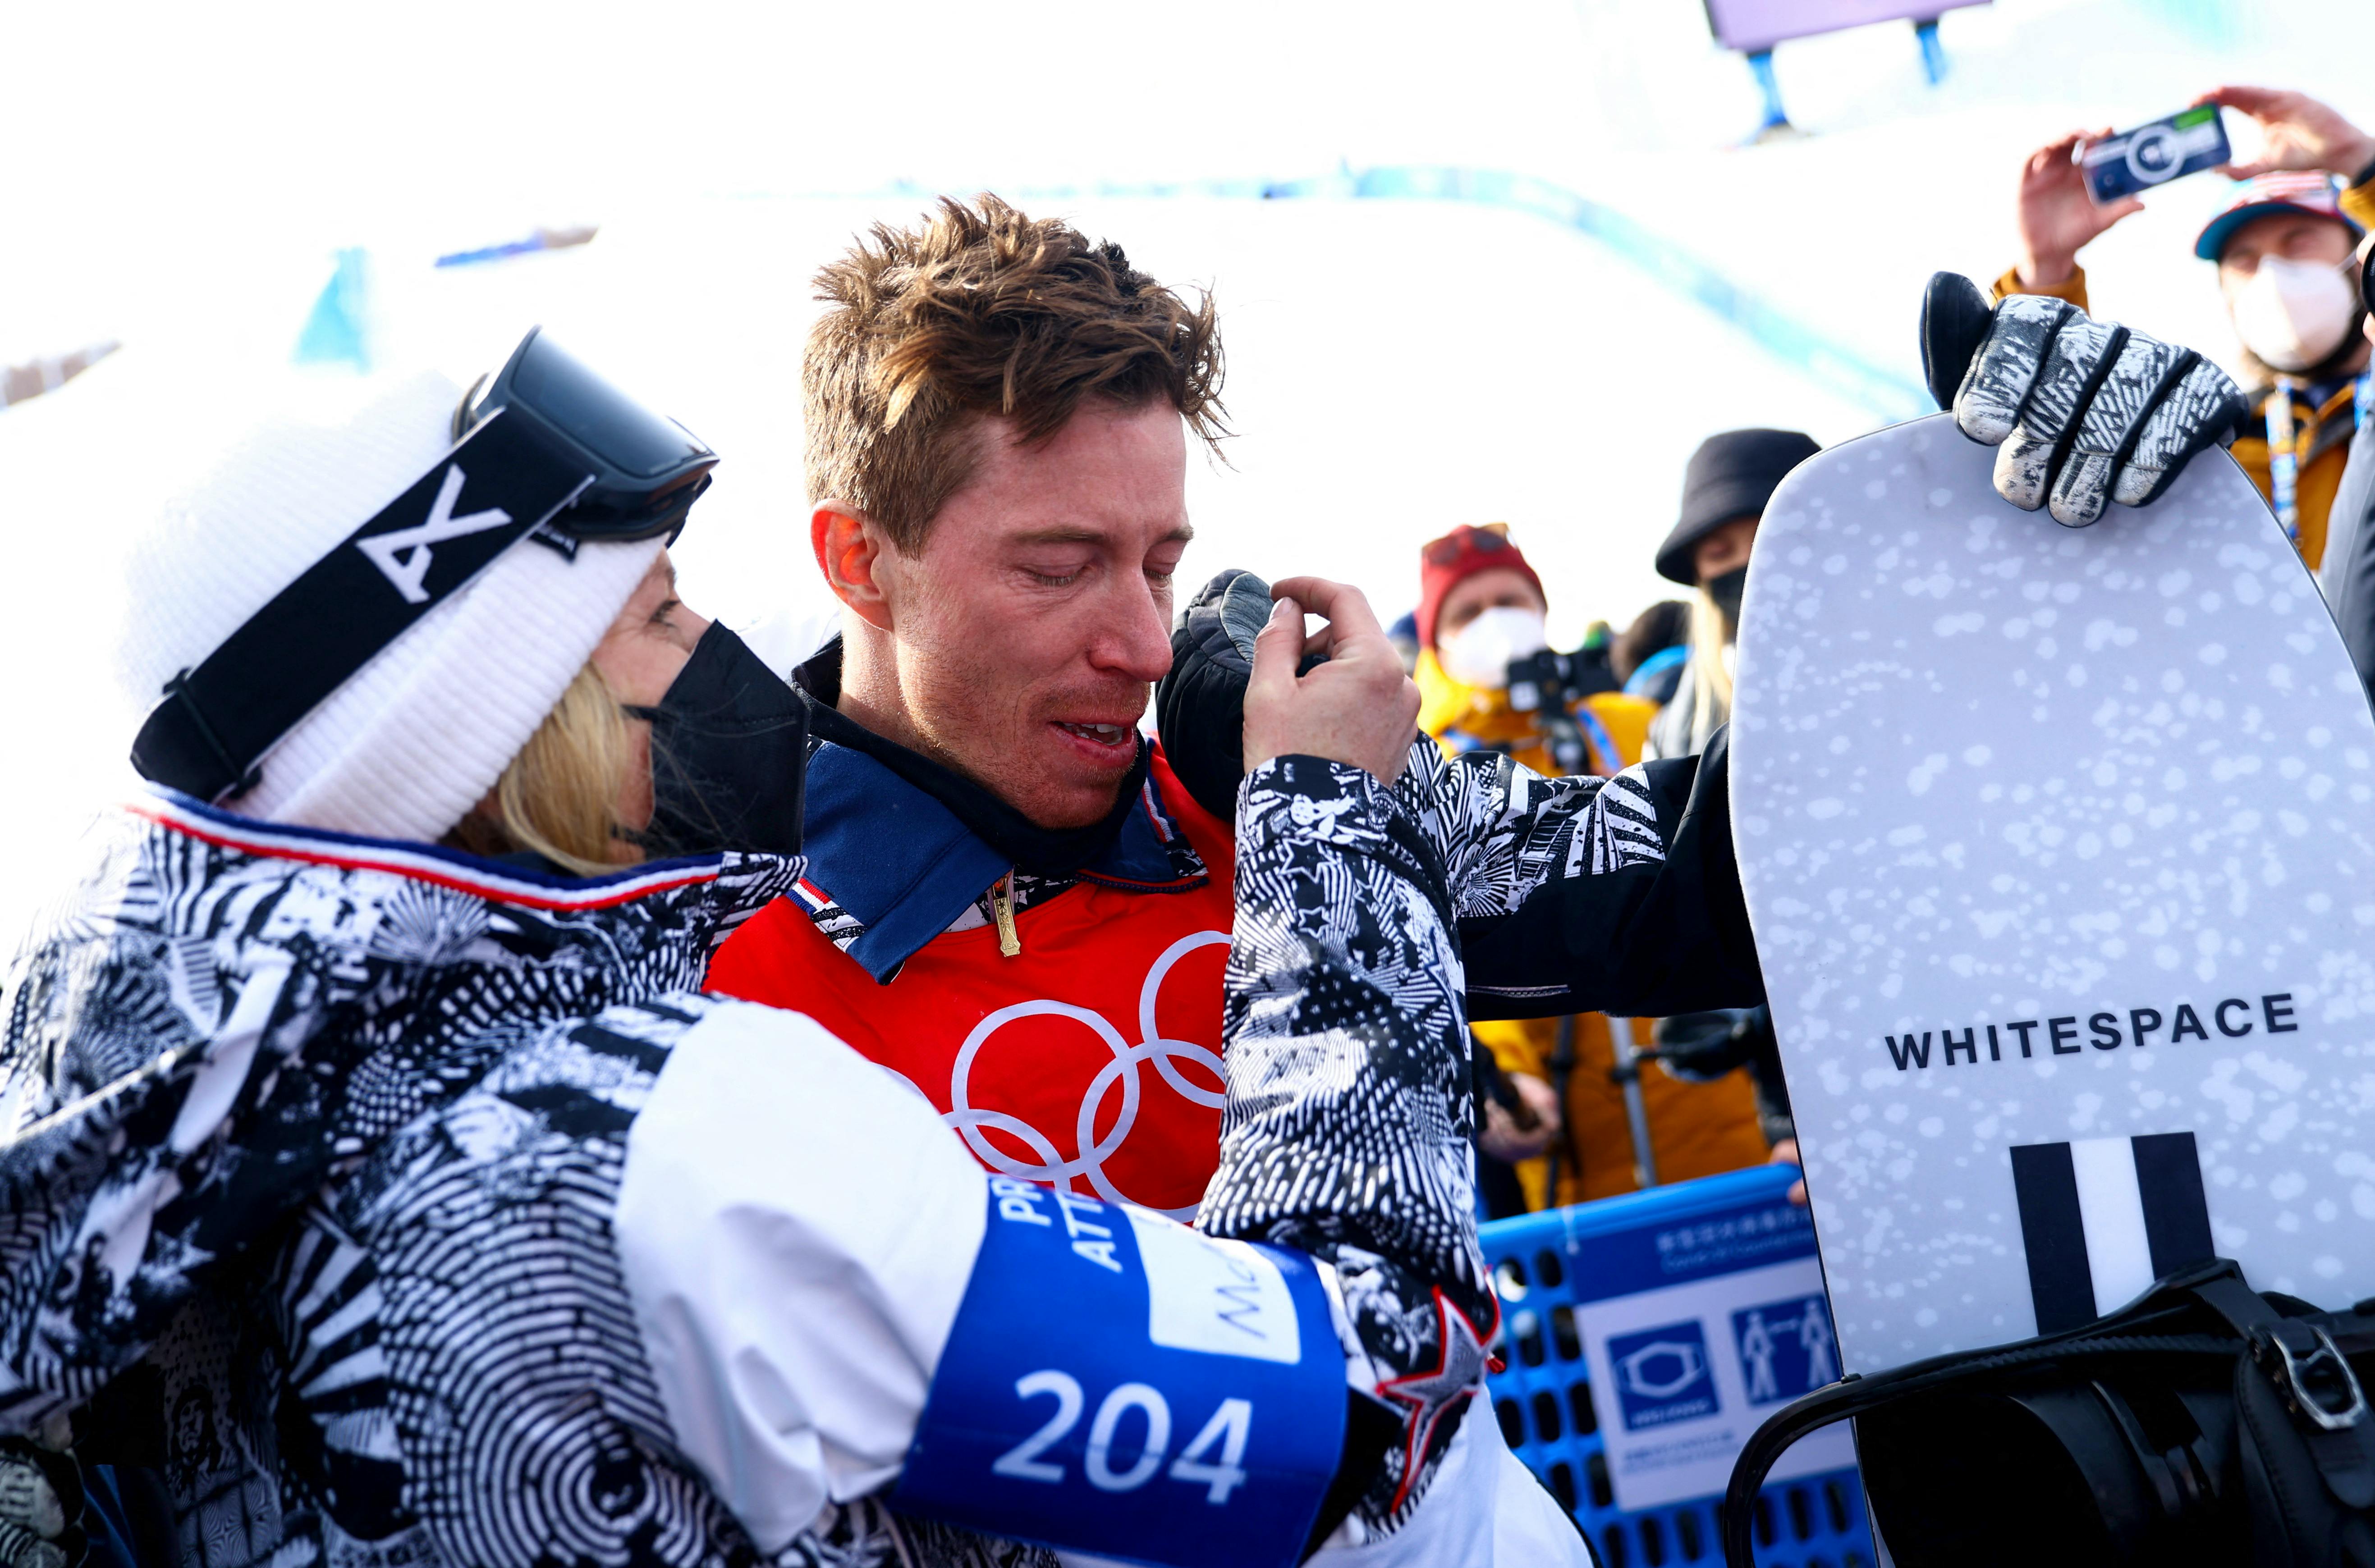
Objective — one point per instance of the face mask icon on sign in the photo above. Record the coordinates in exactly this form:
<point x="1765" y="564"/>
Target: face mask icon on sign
<point x="1661" y="1369"/>
<point x="1662" y="1374"/>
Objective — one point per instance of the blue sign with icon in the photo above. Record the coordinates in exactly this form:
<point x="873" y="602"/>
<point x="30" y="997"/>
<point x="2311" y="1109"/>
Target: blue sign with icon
<point x="1118" y="1383"/>
<point x="1662" y="1376"/>
<point x="1785" y="1349"/>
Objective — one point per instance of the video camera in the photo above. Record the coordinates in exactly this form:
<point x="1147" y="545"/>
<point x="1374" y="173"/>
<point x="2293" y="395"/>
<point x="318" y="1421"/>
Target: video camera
<point x="1548" y="683"/>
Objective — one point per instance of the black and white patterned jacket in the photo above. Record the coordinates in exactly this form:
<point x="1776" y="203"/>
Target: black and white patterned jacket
<point x="1617" y="895"/>
<point x="316" y="1150"/>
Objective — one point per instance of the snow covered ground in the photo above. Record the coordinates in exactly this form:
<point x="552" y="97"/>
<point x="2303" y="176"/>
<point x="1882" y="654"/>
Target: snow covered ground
<point x="182" y="176"/>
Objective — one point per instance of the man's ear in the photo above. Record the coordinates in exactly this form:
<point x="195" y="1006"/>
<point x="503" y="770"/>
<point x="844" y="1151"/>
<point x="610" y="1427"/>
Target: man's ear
<point x="850" y="552"/>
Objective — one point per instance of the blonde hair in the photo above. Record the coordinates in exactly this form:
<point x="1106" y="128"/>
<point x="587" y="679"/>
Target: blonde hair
<point x="559" y="796"/>
<point x="1712" y="684"/>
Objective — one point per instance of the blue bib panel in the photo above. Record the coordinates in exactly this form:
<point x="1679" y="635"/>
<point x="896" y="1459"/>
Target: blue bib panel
<point x="1118" y="1383"/>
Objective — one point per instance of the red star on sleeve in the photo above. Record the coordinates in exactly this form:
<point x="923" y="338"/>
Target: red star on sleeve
<point x="1430" y="1395"/>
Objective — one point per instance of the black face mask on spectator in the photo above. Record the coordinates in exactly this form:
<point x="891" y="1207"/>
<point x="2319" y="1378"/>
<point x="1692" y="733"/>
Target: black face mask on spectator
<point x="729" y="753"/>
<point x="1726" y="589"/>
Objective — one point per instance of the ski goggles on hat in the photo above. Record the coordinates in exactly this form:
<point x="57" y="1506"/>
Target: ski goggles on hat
<point x="645" y="472"/>
<point x="547" y="452"/>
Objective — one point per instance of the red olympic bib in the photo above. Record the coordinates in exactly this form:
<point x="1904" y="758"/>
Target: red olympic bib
<point x="1090" y="1061"/>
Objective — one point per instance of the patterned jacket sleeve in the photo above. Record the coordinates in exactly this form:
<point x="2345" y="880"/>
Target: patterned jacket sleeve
<point x="1349" y="1109"/>
<point x="124" y="1074"/>
<point x="627" y="1262"/>
<point x="198" y="1037"/>
<point x="1616" y="895"/>
<point x="1346" y="1129"/>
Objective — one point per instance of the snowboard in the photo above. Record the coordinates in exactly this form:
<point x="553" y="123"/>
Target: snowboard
<point x="2059" y="847"/>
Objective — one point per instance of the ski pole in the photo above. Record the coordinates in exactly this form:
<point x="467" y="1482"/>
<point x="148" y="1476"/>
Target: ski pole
<point x="1562" y="1073"/>
<point x="1627" y="1074"/>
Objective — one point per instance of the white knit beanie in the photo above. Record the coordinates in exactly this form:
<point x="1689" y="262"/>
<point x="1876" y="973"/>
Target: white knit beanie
<point x="420" y="735"/>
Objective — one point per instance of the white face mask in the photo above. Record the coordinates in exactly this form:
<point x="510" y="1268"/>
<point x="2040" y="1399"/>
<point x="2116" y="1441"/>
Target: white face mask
<point x="1479" y="652"/>
<point x="2294" y="313"/>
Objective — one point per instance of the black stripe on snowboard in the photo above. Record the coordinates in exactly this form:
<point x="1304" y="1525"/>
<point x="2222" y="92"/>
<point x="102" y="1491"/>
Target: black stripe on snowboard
<point x="2060" y="1282"/>
<point x="2176" y="1214"/>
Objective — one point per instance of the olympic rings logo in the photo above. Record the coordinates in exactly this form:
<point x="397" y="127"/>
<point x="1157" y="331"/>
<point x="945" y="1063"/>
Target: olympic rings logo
<point x="1089" y="1161"/>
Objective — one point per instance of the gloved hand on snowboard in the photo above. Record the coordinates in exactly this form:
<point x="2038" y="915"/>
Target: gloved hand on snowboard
<point x="2081" y="412"/>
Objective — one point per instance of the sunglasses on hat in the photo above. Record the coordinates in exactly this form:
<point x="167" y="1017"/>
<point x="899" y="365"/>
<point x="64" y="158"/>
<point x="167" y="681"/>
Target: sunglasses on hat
<point x="1459" y="542"/>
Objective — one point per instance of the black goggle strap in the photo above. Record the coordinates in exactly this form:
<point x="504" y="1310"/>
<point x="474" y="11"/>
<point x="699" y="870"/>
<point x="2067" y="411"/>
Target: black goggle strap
<point x="502" y="482"/>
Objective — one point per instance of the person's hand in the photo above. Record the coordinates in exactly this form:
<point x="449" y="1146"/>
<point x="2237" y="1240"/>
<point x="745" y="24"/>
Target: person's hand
<point x="2297" y="132"/>
<point x="1786" y="1153"/>
<point x="1501" y="1137"/>
<point x="2081" y="412"/>
<point x="2054" y="216"/>
<point x="1541" y="1100"/>
<point x="41" y="1507"/>
<point x="1358" y="708"/>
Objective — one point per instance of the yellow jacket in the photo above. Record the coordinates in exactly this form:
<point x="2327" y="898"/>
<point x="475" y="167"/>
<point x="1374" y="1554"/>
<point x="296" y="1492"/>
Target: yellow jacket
<point x="2320" y="433"/>
<point x="1696" y="1129"/>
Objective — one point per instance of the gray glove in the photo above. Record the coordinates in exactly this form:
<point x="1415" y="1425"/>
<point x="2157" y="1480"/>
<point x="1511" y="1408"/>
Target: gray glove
<point x="41" y="1507"/>
<point x="2081" y="412"/>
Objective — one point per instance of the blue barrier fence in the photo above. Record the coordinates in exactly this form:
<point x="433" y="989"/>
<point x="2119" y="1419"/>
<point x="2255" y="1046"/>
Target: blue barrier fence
<point x="1671" y="1323"/>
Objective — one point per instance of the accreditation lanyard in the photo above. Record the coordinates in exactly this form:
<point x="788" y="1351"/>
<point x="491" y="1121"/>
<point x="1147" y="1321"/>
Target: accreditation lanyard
<point x="2283" y="457"/>
<point x="1603" y="744"/>
<point x="2283" y="446"/>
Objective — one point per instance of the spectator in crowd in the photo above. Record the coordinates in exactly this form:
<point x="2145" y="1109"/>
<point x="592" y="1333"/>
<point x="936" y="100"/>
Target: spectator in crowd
<point x="1647" y="656"/>
<point x="2348" y="572"/>
<point x="1730" y="478"/>
<point x="1481" y="628"/>
<point x="1481" y="677"/>
<point x="2281" y="246"/>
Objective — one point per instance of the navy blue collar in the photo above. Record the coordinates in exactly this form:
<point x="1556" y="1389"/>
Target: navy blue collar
<point x="899" y="863"/>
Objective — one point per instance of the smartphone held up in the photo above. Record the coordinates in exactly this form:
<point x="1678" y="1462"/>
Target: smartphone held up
<point x="2184" y="143"/>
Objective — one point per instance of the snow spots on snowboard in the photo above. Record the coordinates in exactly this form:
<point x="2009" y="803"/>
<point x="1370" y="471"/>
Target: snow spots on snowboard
<point x="2181" y="801"/>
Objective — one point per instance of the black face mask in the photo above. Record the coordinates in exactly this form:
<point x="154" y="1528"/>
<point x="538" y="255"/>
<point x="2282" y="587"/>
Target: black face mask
<point x="1726" y="592"/>
<point x="729" y="751"/>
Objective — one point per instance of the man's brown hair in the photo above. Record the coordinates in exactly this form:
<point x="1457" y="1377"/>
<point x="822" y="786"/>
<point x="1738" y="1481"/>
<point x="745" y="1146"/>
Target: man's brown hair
<point x="982" y="309"/>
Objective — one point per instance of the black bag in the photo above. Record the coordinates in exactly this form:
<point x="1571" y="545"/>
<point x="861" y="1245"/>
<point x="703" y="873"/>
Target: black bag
<point x="2205" y="1423"/>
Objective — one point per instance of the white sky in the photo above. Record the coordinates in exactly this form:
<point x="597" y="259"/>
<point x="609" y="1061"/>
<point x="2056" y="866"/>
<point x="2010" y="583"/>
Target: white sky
<point x="179" y="177"/>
